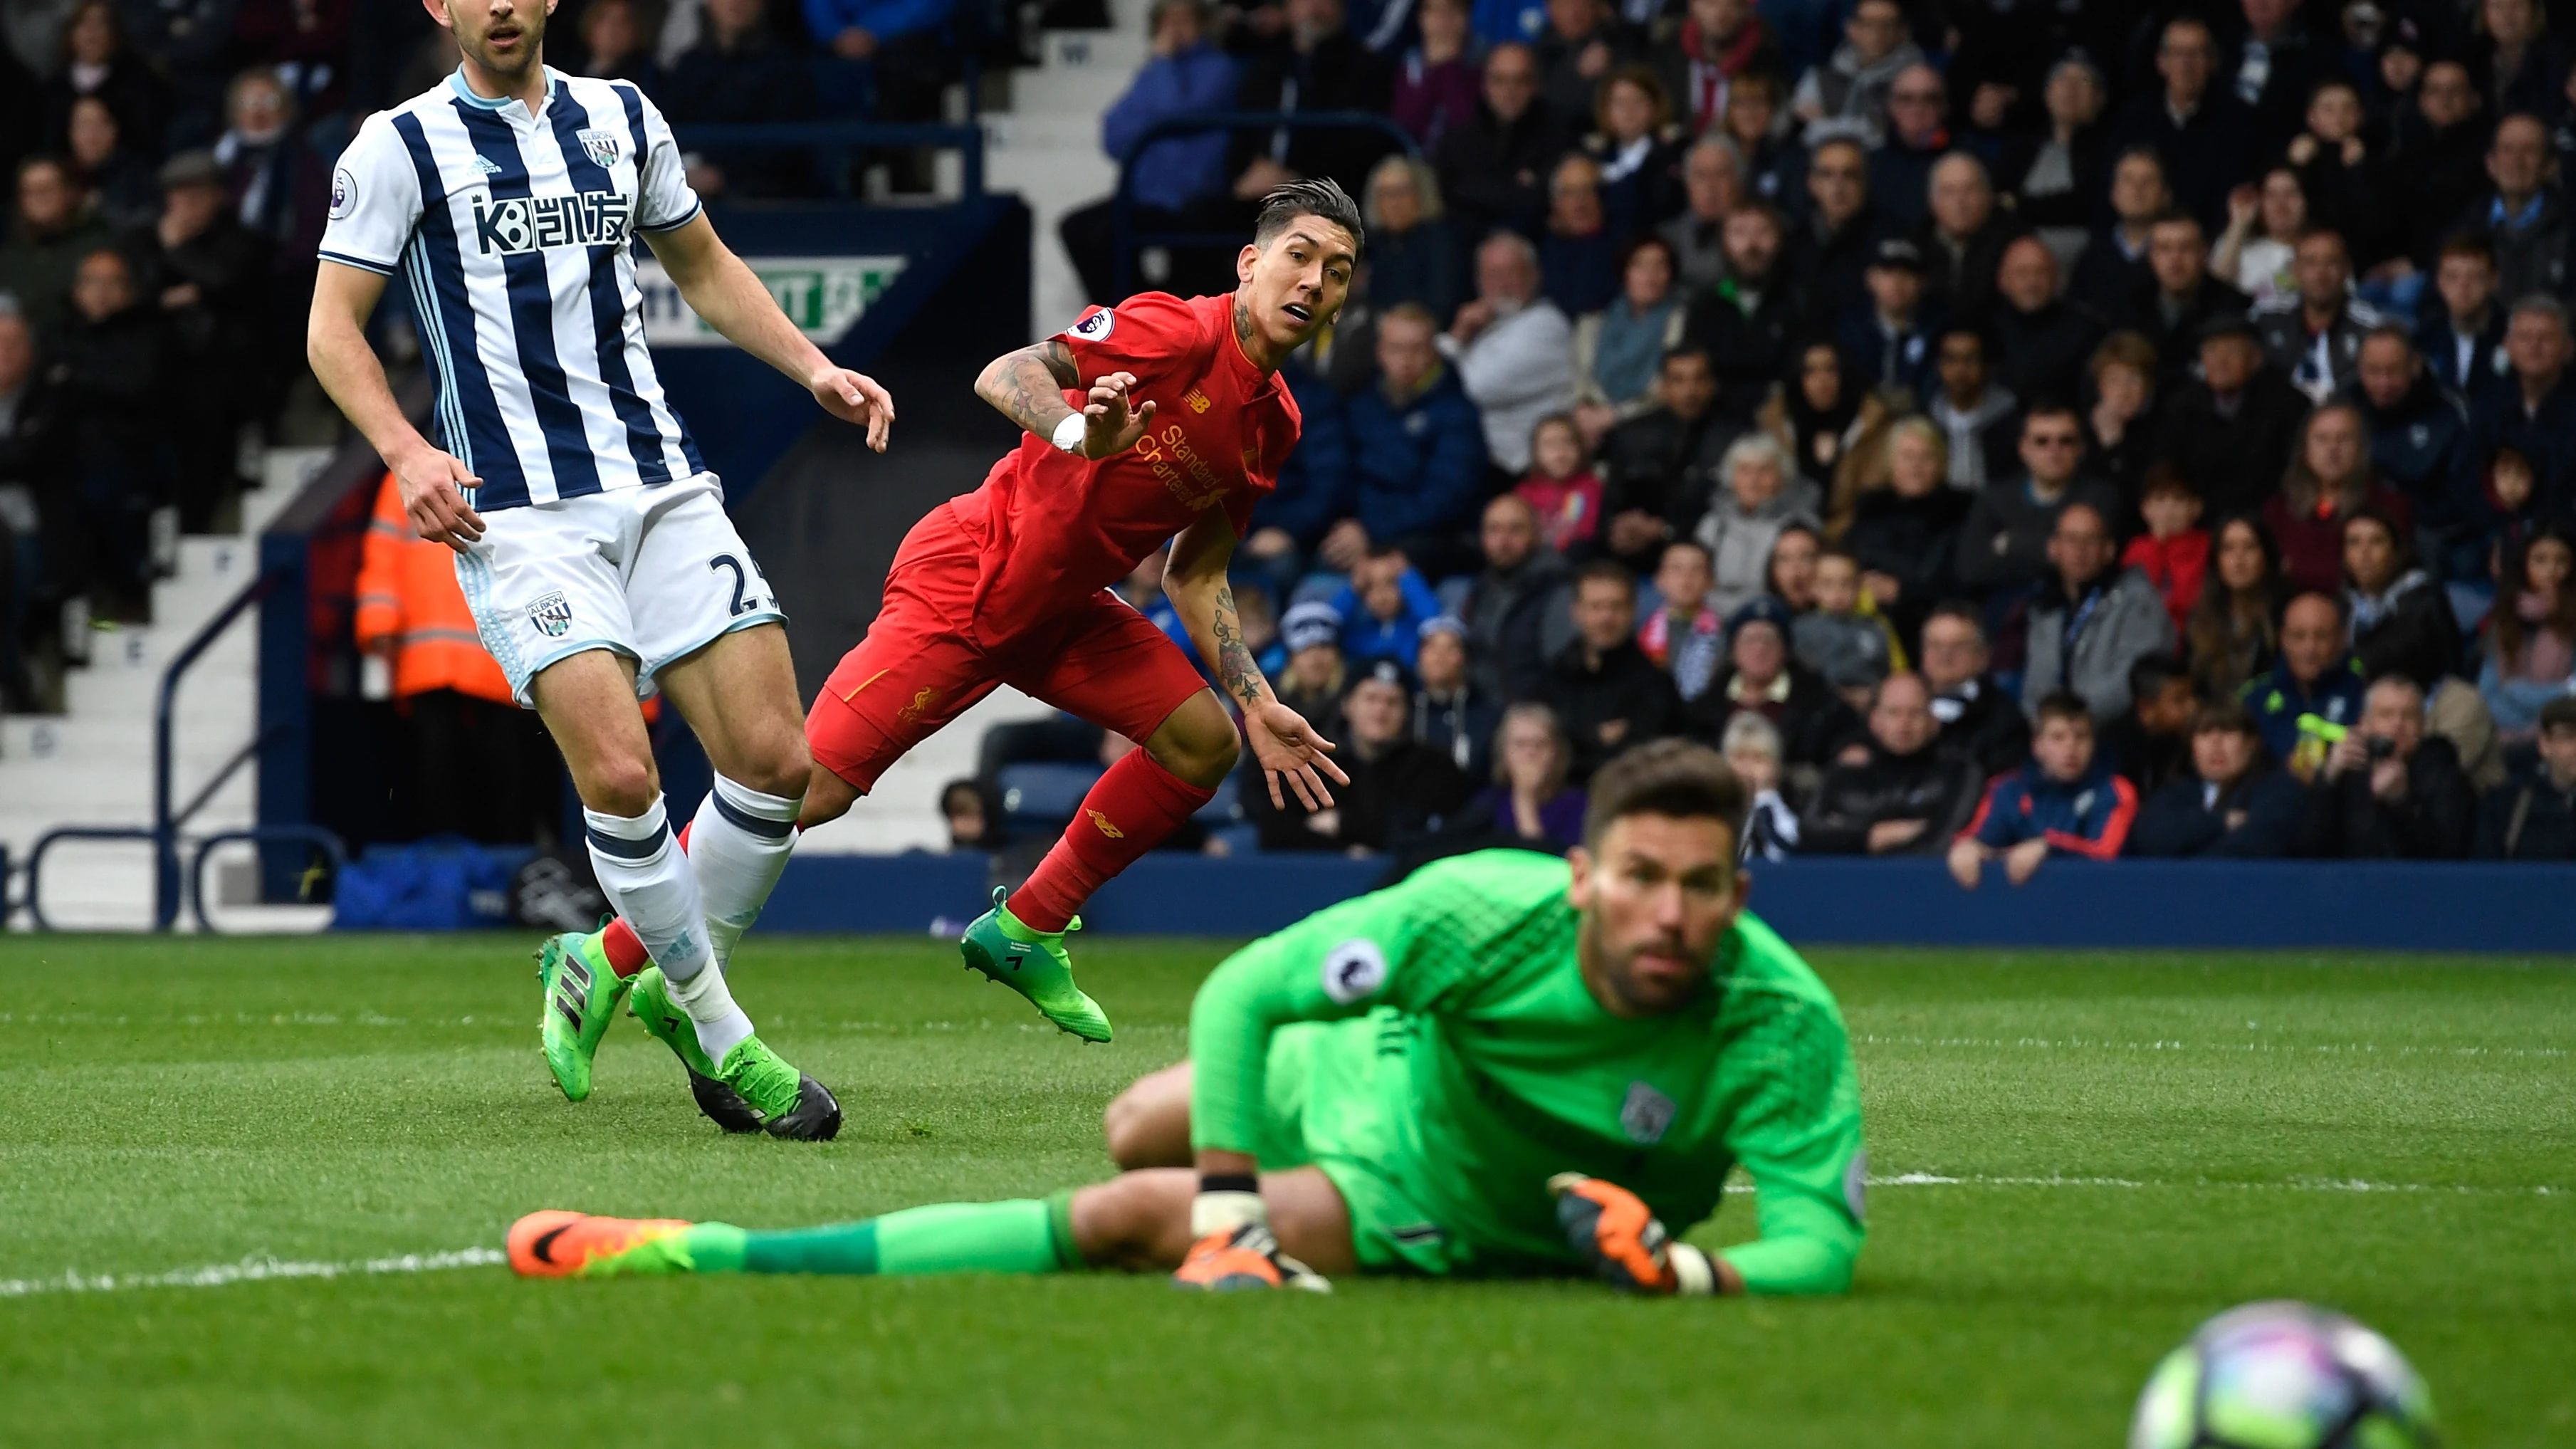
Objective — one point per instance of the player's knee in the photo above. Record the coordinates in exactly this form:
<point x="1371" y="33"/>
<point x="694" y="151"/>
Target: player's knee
<point x="1200" y="751"/>
<point x="1126" y="1126"/>
<point x="779" y="764"/>
<point x="621" y="786"/>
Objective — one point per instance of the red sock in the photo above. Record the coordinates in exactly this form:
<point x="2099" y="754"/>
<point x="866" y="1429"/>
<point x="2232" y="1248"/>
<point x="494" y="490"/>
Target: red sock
<point x="624" y="949"/>
<point x="1128" y="813"/>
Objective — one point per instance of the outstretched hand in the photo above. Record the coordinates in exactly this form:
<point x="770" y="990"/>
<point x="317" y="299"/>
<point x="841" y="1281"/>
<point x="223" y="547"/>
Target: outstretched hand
<point x="1109" y="426"/>
<point x="855" y="397"/>
<point x="430" y="481"/>
<point x="1288" y="748"/>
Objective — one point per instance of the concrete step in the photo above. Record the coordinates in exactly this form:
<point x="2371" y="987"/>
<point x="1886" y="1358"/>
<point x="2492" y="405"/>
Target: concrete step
<point x="1117" y="54"/>
<point x="1045" y="133"/>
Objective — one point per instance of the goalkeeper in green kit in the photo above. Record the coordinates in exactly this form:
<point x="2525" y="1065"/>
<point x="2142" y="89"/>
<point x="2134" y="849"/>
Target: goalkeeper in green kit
<point x="1506" y="1065"/>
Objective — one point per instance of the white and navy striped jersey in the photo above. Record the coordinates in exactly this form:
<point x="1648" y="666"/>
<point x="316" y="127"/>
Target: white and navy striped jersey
<point x="516" y="236"/>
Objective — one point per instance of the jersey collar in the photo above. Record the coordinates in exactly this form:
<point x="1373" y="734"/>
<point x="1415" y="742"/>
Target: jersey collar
<point x="465" y="93"/>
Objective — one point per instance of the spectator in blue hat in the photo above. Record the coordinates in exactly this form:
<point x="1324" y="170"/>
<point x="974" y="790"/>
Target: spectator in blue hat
<point x="1450" y="713"/>
<point x="1316" y="675"/>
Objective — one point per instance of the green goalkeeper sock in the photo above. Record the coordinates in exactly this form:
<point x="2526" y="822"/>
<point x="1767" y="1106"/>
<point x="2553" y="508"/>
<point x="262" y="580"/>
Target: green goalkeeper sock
<point x="1026" y="1235"/>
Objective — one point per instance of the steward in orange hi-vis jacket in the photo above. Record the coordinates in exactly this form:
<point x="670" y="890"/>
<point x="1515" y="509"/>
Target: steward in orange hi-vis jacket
<point x="410" y="608"/>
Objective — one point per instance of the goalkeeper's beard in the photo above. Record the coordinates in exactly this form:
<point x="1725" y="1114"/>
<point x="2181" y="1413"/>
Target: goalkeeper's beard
<point x="1616" y="968"/>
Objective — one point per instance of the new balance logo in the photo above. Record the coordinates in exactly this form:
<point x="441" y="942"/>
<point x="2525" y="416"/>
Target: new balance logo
<point x="516" y="224"/>
<point x="1102" y="822"/>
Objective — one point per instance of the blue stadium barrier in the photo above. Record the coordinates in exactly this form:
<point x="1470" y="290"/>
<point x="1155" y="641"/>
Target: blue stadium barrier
<point x="2070" y="904"/>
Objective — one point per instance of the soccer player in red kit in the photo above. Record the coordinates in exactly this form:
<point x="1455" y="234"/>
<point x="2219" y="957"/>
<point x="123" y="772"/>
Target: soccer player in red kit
<point x="1155" y="421"/>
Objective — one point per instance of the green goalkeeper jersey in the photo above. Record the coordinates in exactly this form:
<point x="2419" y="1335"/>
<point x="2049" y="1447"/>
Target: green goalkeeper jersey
<point x="1496" y="1068"/>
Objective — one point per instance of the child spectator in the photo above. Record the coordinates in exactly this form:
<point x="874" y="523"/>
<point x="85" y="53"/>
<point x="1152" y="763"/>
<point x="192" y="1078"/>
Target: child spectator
<point x="2234" y="802"/>
<point x="974" y="819"/>
<point x="2234" y="631"/>
<point x="2174" y="551"/>
<point x="2534" y="816"/>
<point x="1383" y="608"/>
<point x="2062" y="800"/>
<point x="2512" y="487"/>
<point x="1762" y="495"/>
<point x="2531" y="634"/>
<point x="1685" y="636"/>
<point x="1751" y="745"/>
<point x="1843" y="638"/>
<point x="1561" y="487"/>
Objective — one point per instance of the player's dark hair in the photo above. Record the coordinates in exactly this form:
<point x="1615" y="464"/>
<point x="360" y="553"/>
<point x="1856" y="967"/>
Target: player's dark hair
<point x="1680" y="778"/>
<point x="1319" y="197"/>
<point x="2064" y="704"/>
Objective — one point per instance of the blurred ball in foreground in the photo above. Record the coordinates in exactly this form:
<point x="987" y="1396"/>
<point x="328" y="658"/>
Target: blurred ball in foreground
<point x="2284" y="1375"/>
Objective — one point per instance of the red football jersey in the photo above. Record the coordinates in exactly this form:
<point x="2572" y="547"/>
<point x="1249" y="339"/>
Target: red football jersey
<point x="1054" y="526"/>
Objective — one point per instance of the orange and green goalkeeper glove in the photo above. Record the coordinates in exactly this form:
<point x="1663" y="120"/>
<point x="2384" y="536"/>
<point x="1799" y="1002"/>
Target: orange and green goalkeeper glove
<point x="1611" y="1229"/>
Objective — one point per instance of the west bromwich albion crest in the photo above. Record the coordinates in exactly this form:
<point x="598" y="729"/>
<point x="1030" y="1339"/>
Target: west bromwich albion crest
<point x="1647" y="1114"/>
<point x="600" y="147"/>
<point x="552" y="615"/>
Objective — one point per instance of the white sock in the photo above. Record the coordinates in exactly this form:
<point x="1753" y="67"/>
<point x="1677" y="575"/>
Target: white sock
<point x="710" y="1006"/>
<point x="645" y="875"/>
<point x="738" y="844"/>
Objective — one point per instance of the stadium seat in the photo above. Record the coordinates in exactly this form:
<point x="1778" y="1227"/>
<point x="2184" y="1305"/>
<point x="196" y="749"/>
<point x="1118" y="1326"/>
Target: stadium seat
<point x="1044" y="797"/>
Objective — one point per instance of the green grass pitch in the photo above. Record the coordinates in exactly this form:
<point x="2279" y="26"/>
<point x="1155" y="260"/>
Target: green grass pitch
<point x="2077" y="1158"/>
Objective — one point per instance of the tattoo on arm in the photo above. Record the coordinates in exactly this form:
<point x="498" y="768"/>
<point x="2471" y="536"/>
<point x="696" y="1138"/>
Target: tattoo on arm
<point x="1235" y="668"/>
<point x="1027" y="386"/>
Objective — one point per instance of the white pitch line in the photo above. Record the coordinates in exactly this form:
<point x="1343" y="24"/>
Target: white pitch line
<point x="251" y="1270"/>
<point x="2320" y="1184"/>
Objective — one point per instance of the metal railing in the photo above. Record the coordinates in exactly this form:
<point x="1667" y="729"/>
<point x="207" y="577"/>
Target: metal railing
<point x="169" y="885"/>
<point x="1126" y="239"/>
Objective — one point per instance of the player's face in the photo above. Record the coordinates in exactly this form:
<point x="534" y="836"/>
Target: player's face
<point x="502" y="36"/>
<point x="1657" y="894"/>
<point x="1296" y="284"/>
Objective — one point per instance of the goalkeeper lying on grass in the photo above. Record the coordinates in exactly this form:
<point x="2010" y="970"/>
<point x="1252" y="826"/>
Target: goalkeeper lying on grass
<point x="1508" y="1064"/>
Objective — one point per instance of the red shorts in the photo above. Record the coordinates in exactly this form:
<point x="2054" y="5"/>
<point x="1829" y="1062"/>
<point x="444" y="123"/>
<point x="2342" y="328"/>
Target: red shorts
<point x="921" y="666"/>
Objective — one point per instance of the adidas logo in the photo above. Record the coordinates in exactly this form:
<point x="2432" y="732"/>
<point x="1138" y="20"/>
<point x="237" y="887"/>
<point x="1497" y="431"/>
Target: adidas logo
<point x="487" y="166"/>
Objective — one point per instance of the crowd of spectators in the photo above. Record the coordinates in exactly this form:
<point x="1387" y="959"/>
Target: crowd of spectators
<point x="2010" y="431"/>
<point x="167" y="169"/>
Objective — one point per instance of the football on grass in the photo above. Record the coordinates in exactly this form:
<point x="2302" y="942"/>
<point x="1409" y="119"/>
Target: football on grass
<point x="2284" y="1376"/>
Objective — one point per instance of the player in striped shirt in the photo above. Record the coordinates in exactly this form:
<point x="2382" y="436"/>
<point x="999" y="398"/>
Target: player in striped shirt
<point x="592" y="543"/>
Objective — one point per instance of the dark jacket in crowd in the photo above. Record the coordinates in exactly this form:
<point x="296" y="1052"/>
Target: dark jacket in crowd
<point x="2529" y="818"/>
<point x="1830" y="263"/>
<point x="1516" y="621"/>
<point x="1959" y="282"/>
<point x="1666" y="465"/>
<point x="1621" y="700"/>
<point x="2421" y="446"/>
<point x="2530" y="249"/>
<point x="2205" y="156"/>
<point x="1418" y="266"/>
<point x="2144" y="759"/>
<point x="2006" y="508"/>
<point x="1339" y="74"/>
<point x="1390" y="801"/>
<point x="1494" y="174"/>
<point x="758" y="80"/>
<point x="1419" y="462"/>
<point x="2235" y="455"/>
<point x="1748" y="332"/>
<point x="2438" y="173"/>
<point x="2040" y="354"/>
<point x="2545" y="435"/>
<point x="2408" y="630"/>
<point x="2287" y="341"/>
<point x="107" y="375"/>
<point x="2256" y="818"/>
<point x="1460" y="725"/>
<point x="1984" y="723"/>
<point x="1934" y="785"/>
<point x="2434" y="820"/>
<point x="1812" y="719"/>
<point x="2483" y="369"/>
<point x="2174" y="327"/>
<point x="1912" y="540"/>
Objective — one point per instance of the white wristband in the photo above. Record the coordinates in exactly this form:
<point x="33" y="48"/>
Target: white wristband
<point x="1694" y="1275"/>
<point x="1223" y="1212"/>
<point x="1068" y="434"/>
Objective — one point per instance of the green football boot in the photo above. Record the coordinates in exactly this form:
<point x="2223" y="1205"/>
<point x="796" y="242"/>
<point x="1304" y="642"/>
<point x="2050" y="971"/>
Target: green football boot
<point x="1034" y="964"/>
<point x="752" y="1090"/>
<point x="581" y="994"/>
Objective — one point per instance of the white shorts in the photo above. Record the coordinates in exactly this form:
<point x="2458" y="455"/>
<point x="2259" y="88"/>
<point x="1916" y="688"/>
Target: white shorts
<point x="653" y="573"/>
